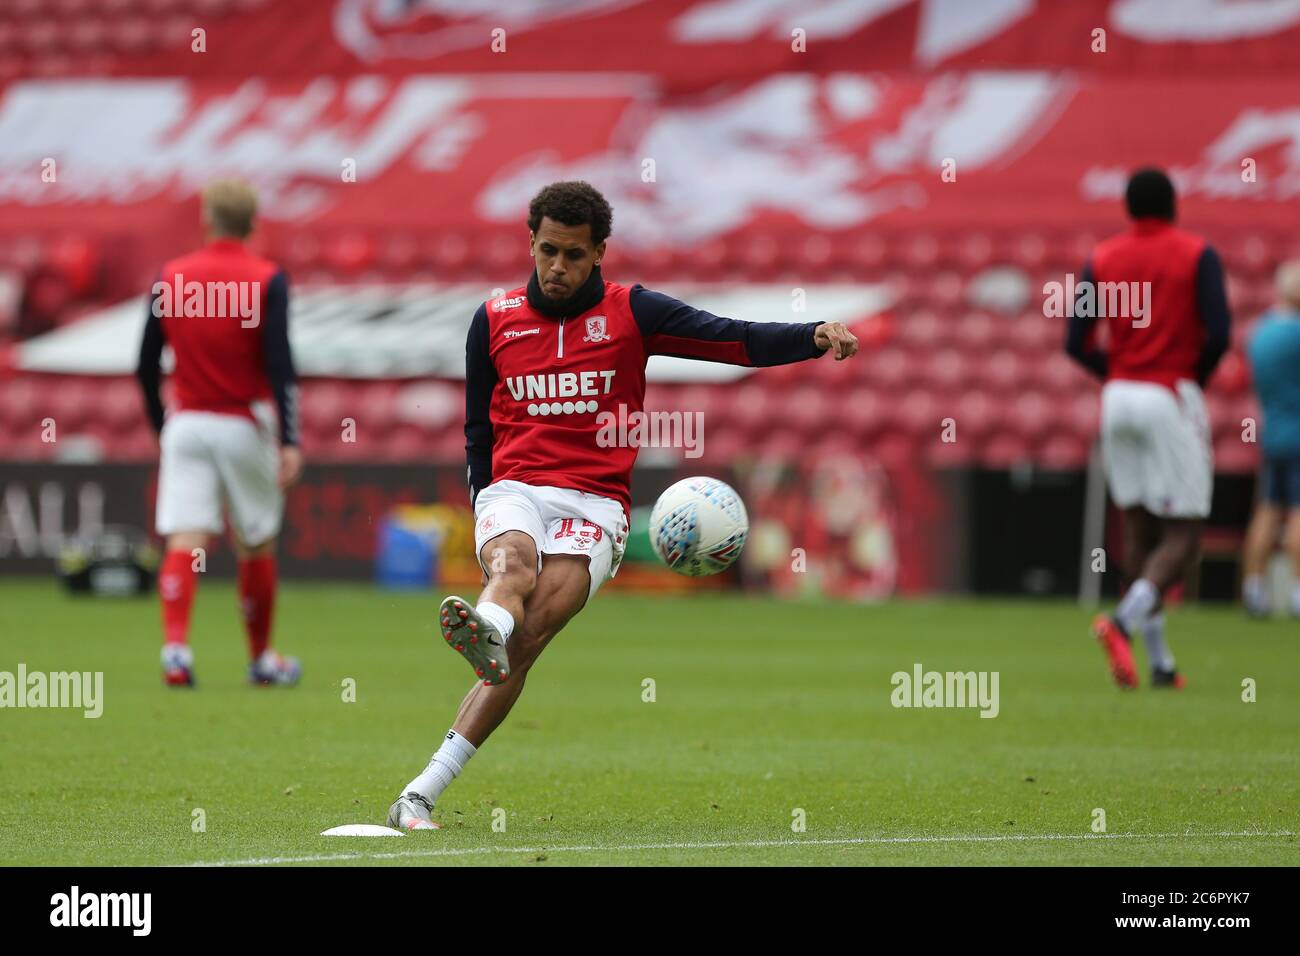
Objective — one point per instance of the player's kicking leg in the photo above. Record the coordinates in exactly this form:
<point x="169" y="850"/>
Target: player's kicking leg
<point x="480" y="632"/>
<point x="538" y="607"/>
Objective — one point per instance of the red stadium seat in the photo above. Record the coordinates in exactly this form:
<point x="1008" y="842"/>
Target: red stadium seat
<point x="302" y="252"/>
<point x="890" y="368"/>
<point x="1082" y="416"/>
<point x="760" y="254"/>
<point x="978" y="332"/>
<point x="976" y="415"/>
<point x="895" y="449"/>
<point x="711" y="260"/>
<point x="1063" y="453"/>
<point x="503" y="254"/>
<point x="1232" y="377"/>
<point x="1057" y="373"/>
<point x="449" y="253"/>
<point x="1224" y="420"/>
<point x="810" y="410"/>
<point x="816" y="256"/>
<point x="1233" y="456"/>
<point x="864" y="412"/>
<point x="974" y="251"/>
<point x="921" y="414"/>
<point x="722" y="446"/>
<point x="1004" y="450"/>
<point x="407" y="443"/>
<point x="868" y="253"/>
<point x="397" y="256"/>
<point x="947" y="291"/>
<point x="782" y="445"/>
<point x="350" y="254"/>
<point x="376" y="408"/>
<point x="751" y="406"/>
<point x="324" y="405"/>
<point x="40" y="38"/>
<point x="130" y="36"/>
<point x="947" y="369"/>
<point x="121" y="406"/>
<point x="950" y="454"/>
<point x="1004" y="371"/>
<point x="447" y="445"/>
<point x="920" y="329"/>
<point x="921" y="251"/>
<point x="1031" y="415"/>
<point x="1030" y="251"/>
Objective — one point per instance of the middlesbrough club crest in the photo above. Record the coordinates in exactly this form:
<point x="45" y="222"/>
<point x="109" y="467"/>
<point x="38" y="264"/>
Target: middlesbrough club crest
<point x="596" y="329"/>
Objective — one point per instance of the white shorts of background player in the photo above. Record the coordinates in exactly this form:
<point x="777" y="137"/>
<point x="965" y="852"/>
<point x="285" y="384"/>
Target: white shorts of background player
<point x="1156" y="447"/>
<point x="212" y="463"/>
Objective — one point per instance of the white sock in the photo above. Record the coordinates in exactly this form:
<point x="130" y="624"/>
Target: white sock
<point x="498" y="617"/>
<point x="1153" y="633"/>
<point x="444" y="767"/>
<point x="1254" y="594"/>
<point x="1295" y="599"/>
<point x="1137" y="605"/>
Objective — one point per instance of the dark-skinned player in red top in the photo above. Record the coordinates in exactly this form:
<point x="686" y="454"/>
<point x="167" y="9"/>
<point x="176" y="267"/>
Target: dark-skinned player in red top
<point x="1155" y="432"/>
<point x="542" y="362"/>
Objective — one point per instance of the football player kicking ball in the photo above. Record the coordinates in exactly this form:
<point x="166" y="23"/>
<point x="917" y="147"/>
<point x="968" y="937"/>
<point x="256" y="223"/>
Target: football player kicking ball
<point x="542" y="363"/>
<point x="224" y="312"/>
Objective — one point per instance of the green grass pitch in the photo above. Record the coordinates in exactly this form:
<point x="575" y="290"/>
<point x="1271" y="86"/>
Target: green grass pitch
<point x="761" y="708"/>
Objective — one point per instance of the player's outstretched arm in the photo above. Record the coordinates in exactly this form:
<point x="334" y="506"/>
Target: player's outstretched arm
<point x="480" y="379"/>
<point x="671" y="327"/>
<point x="148" y="370"/>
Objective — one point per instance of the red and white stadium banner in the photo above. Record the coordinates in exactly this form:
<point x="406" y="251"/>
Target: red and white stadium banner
<point x="439" y="156"/>
<point x="696" y="44"/>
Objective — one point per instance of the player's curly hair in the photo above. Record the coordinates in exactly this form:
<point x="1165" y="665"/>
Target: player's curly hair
<point x="573" y="203"/>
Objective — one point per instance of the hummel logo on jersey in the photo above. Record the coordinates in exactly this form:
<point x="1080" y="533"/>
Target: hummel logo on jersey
<point x="515" y="333"/>
<point x="514" y="302"/>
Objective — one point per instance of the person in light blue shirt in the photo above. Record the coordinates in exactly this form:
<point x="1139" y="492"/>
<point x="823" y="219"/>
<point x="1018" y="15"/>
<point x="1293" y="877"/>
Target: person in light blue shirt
<point x="1274" y="353"/>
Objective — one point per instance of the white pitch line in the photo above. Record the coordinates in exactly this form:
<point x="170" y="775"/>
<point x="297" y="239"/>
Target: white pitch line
<point x="742" y="844"/>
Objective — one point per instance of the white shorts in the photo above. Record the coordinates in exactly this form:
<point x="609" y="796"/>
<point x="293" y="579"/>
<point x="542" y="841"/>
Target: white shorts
<point x="212" y="462"/>
<point x="1156" y="445"/>
<point x="559" y="520"/>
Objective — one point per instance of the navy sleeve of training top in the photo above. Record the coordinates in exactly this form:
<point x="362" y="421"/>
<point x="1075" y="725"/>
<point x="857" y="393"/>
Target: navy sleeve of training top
<point x="148" y="370"/>
<point x="480" y="380"/>
<point x="1212" y="303"/>
<point x="279" y="360"/>
<point x="674" y="328"/>
<point x="1079" y="340"/>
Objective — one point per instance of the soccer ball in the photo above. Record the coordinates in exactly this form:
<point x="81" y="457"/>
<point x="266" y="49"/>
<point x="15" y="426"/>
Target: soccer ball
<point x="698" y="526"/>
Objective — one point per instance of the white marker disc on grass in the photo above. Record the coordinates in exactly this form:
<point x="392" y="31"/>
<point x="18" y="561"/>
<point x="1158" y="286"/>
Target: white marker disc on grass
<point x="363" y="830"/>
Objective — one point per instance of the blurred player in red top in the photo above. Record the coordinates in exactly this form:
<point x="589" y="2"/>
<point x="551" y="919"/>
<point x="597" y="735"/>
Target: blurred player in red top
<point x="545" y="364"/>
<point x="229" y="441"/>
<point x="1161" y="292"/>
